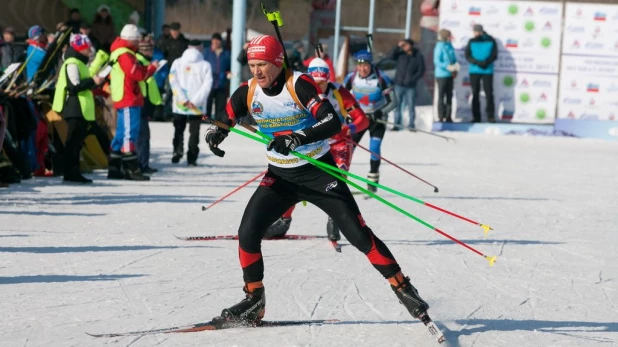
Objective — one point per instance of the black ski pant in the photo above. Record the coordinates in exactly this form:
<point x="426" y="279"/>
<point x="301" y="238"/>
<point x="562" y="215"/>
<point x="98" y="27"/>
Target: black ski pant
<point x="77" y="131"/>
<point x="219" y="98"/>
<point x="445" y="98"/>
<point x="276" y="194"/>
<point x="488" y="87"/>
<point x="376" y="133"/>
<point x="180" y="124"/>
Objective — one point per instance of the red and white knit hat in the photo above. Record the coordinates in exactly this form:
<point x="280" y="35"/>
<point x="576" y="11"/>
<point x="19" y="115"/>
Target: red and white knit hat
<point x="80" y="42"/>
<point x="266" y="48"/>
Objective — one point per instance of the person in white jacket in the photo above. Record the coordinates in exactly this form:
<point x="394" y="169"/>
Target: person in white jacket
<point x="191" y="82"/>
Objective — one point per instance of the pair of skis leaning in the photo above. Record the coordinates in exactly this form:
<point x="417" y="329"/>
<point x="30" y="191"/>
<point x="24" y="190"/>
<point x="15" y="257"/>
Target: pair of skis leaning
<point x="335" y="244"/>
<point x="219" y="324"/>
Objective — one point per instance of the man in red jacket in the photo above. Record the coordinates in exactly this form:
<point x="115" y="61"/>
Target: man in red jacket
<point x="127" y="81"/>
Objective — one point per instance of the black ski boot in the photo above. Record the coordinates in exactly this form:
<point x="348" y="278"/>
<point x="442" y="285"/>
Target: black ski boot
<point x="250" y="311"/>
<point x="75" y="176"/>
<point x="332" y="230"/>
<point x="279" y="228"/>
<point x="114" y="169"/>
<point x="408" y="295"/>
<point x="131" y="168"/>
<point x="373" y="177"/>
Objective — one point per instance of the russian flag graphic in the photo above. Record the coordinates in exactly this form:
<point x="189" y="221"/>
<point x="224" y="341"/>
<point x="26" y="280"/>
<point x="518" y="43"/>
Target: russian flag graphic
<point x="474" y="11"/>
<point x="592" y="88"/>
<point x="466" y="81"/>
<point x="511" y="43"/>
<point x="599" y="16"/>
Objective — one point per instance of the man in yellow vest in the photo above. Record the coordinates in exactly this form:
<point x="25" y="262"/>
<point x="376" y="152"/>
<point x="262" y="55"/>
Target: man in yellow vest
<point x="152" y="98"/>
<point x="127" y="73"/>
<point x="74" y="100"/>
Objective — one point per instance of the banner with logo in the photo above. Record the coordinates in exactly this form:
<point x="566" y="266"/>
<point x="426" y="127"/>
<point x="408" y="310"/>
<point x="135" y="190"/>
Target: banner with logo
<point x="526" y="73"/>
<point x="589" y="70"/>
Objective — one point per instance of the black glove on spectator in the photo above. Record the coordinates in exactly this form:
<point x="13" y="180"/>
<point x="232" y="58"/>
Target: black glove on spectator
<point x="214" y="137"/>
<point x="284" y="144"/>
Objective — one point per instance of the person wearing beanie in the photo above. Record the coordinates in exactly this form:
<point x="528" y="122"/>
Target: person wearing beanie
<point x="174" y="46"/>
<point x="289" y="107"/>
<point x="37" y="46"/>
<point x="103" y="27"/>
<point x="481" y="52"/>
<point x="191" y="82"/>
<point x="9" y="51"/>
<point x="128" y="78"/>
<point x="445" y="70"/>
<point x="86" y="29"/>
<point x="75" y="20"/>
<point x="220" y="60"/>
<point x="74" y="100"/>
<point x="353" y="120"/>
<point x="324" y="56"/>
<point x="375" y="94"/>
<point x="410" y="69"/>
<point x="152" y="99"/>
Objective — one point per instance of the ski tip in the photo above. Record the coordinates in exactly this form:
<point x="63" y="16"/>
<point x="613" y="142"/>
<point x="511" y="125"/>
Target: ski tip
<point x="491" y="260"/>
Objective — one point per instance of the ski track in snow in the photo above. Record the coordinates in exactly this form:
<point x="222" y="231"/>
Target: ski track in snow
<point x="103" y="258"/>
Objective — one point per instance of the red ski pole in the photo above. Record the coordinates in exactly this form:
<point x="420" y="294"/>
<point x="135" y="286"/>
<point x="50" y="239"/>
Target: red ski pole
<point x="435" y="189"/>
<point x="204" y="208"/>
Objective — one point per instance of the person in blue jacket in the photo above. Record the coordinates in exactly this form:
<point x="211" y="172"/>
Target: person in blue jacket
<point x="37" y="46"/>
<point x="220" y="61"/>
<point x="445" y="70"/>
<point x="481" y="53"/>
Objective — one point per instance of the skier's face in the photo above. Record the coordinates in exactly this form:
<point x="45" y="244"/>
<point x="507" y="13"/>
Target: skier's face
<point x="264" y="72"/>
<point x="364" y="69"/>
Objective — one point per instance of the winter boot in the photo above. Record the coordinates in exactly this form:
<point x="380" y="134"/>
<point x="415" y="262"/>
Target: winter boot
<point x="75" y="176"/>
<point x="114" y="170"/>
<point x="131" y="168"/>
<point x="8" y="175"/>
<point x="251" y="309"/>
<point x="177" y="156"/>
<point x="408" y="295"/>
<point x="373" y="177"/>
<point x="332" y="230"/>
<point x="279" y="228"/>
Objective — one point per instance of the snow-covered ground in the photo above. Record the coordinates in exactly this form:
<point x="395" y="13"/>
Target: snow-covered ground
<point x="103" y="258"/>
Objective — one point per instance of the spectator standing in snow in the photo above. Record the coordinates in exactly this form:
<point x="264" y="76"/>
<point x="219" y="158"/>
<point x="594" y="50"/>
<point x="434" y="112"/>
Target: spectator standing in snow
<point x="220" y="63"/>
<point x="481" y="52"/>
<point x="445" y="70"/>
<point x="191" y="81"/>
<point x="410" y="69"/>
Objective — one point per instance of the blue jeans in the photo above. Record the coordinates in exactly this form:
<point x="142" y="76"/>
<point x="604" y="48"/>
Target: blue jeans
<point x="127" y="130"/>
<point x="405" y="96"/>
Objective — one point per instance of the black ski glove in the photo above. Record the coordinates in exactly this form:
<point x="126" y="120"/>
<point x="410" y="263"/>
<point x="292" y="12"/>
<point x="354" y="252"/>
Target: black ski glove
<point x="214" y="137"/>
<point x="284" y="144"/>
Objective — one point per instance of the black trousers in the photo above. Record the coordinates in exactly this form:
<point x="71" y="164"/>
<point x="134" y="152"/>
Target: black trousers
<point x="376" y="131"/>
<point x="445" y="98"/>
<point x="488" y="87"/>
<point x="180" y="124"/>
<point x="276" y="194"/>
<point x="77" y="131"/>
<point x="219" y="98"/>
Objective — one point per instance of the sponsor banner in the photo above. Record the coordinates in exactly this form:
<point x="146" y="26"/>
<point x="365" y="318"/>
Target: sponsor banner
<point x="590" y="29"/>
<point x="526" y="72"/>
<point x="589" y="70"/>
<point x="518" y="97"/>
